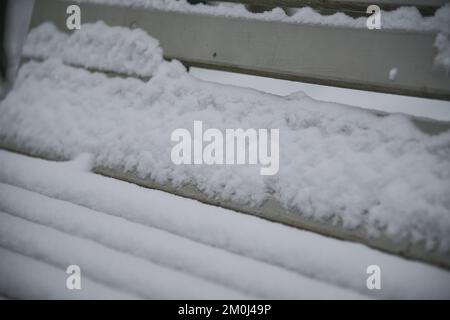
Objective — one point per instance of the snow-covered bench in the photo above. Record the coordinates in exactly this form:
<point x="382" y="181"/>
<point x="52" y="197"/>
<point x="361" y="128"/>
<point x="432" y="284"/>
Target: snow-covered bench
<point x="382" y="180"/>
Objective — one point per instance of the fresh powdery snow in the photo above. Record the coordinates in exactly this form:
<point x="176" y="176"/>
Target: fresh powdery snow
<point x="442" y="59"/>
<point x="338" y="164"/>
<point x="132" y="52"/>
<point x="27" y="278"/>
<point x="115" y="269"/>
<point x="164" y="248"/>
<point x="153" y="244"/>
<point x="393" y="74"/>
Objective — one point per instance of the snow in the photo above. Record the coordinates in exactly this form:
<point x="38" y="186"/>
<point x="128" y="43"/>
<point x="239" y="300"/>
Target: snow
<point x="427" y="108"/>
<point x="348" y="166"/>
<point x="115" y="269"/>
<point x="442" y="59"/>
<point x="22" y="277"/>
<point x="98" y="46"/>
<point x="213" y="264"/>
<point x="403" y="18"/>
<point x="393" y="74"/>
<point x="256" y="258"/>
<point x="186" y="227"/>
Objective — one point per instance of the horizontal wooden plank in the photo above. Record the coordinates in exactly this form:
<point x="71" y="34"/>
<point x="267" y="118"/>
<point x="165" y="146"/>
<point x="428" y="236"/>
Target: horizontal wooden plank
<point x="343" y="57"/>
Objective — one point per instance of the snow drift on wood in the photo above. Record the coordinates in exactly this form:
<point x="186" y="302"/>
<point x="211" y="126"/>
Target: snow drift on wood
<point x="97" y="46"/>
<point x="256" y="256"/>
<point x="338" y="164"/>
<point x="403" y="18"/>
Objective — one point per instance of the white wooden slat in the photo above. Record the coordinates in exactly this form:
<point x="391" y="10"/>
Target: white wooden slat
<point x="343" y="57"/>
